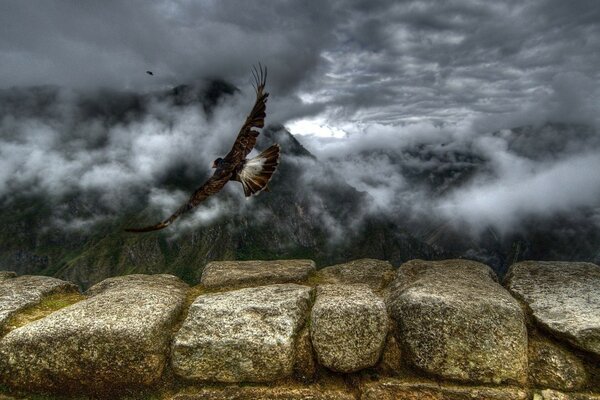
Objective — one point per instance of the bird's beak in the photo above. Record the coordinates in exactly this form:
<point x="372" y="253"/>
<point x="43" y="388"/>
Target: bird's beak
<point x="214" y="165"/>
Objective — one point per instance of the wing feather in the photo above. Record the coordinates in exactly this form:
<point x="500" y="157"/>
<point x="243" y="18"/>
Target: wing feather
<point x="246" y="138"/>
<point x="212" y="186"/>
<point x="243" y="145"/>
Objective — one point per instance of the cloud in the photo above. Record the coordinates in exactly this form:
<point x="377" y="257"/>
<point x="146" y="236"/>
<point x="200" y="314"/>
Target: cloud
<point x="345" y="61"/>
<point x="83" y="44"/>
<point x="402" y="62"/>
<point x="65" y="150"/>
<point x="468" y="178"/>
<point x="522" y="189"/>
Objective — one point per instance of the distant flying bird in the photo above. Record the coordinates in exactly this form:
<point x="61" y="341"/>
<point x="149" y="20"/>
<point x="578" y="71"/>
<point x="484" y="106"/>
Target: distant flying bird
<point x="253" y="174"/>
<point x="150" y="72"/>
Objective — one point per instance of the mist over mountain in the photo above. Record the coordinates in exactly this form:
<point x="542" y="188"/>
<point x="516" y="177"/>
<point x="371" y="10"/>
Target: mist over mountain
<point x="499" y="196"/>
<point x="78" y="167"/>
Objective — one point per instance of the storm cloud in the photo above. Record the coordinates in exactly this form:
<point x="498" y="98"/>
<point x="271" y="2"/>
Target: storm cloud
<point x="88" y="44"/>
<point x="346" y="61"/>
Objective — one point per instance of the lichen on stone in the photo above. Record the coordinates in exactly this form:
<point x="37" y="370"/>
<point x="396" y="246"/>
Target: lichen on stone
<point x="44" y="308"/>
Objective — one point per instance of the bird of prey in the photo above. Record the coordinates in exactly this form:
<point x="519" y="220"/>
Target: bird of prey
<point x="150" y="72"/>
<point x="254" y="173"/>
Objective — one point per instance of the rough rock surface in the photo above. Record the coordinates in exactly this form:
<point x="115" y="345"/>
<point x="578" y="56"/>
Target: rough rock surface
<point x="242" y="335"/>
<point x="349" y="325"/>
<point x="375" y="273"/>
<point x="116" y="338"/>
<point x="305" y="366"/>
<point x="391" y="359"/>
<point x="4" y="275"/>
<point x="550" y="394"/>
<point x="393" y="389"/>
<point x="455" y="321"/>
<point x="550" y="366"/>
<point x="564" y="298"/>
<point x="16" y="294"/>
<point x="255" y="273"/>
<point x="282" y="392"/>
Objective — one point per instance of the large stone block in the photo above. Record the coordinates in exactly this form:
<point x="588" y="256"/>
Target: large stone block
<point x="218" y="274"/>
<point x="564" y="298"/>
<point x="118" y="337"/>
<point x="246" y="335"/>
<point x="455" y="321"/>
<point x="349" y="325"/>
<point x="377" y="274"/>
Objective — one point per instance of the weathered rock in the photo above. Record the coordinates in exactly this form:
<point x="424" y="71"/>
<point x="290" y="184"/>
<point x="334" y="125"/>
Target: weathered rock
<point x="375" y="273"/>
<point x="118" y="337"/>
<point x="564" y="298"/>
<point x="136" y="282"/>
<point x="455" y="321"/>
<point x="242" y="335"/>
<point x="391" y="359"/>
<point x="17" y="294"/>
<point x="4" y="275"/>
<point x="255" y="273"/>
<point x="550" y="394"/>
<point x="305" y="367"/>
<point x="349" y="325"/>
<point x="394" y="389"/>
<point x="550" y="366"/>
<point x="280" y="392"/>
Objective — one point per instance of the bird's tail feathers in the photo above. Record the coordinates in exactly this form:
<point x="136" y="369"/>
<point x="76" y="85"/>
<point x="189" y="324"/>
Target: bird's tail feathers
<point x="257" y="171"/>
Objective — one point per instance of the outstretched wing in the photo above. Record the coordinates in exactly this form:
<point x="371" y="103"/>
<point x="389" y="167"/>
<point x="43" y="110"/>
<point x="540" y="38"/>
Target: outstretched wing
<point x="212" y="186"/>
<point x="244" y="143"/>
<point x="246" y="139"/>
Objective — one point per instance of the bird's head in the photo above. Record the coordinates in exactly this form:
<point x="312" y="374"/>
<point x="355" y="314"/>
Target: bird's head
<point x="217" y="163"/>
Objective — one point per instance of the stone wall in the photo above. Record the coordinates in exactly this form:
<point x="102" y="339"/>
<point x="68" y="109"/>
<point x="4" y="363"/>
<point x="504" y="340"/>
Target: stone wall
<point x="283" y="330"/>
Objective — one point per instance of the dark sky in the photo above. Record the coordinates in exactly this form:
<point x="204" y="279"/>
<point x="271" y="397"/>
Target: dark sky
<point x="351" y="76"/>
<point x="353" y="61"/>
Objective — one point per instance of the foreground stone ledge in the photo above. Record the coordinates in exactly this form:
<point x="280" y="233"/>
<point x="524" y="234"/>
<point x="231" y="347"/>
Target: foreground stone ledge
<point x="456" y="334"/>
<point x="279" y="392"/>
<point x="117" y="338"/>
<point x="17" y="294"/>
<point x="455" y="321"/>
<point x="349" y="326"/>
<point x="245" y="335"/>
<point x="564" y="298"/>
<point x="376" y="274"/>
<point x="218" y="274"/>
<point x="395" y="389"/>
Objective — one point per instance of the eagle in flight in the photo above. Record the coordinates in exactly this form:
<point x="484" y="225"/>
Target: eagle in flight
<point x="253" y="173"/>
